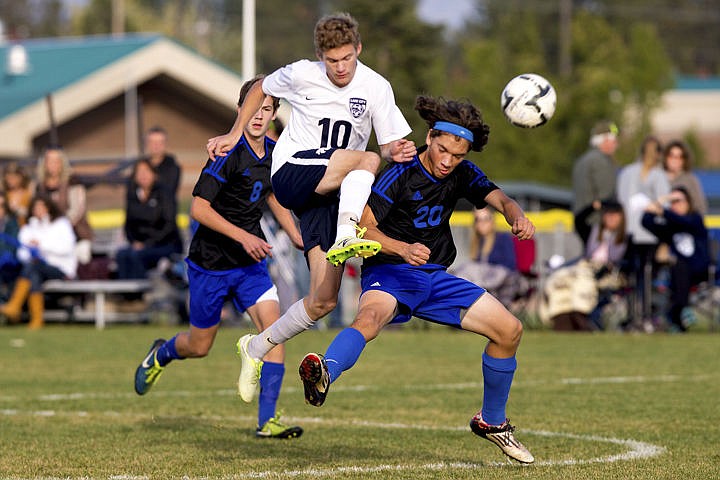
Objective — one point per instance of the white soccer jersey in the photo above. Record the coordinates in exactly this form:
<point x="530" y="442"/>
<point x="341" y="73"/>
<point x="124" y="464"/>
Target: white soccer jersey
<point x="327" y="116"/>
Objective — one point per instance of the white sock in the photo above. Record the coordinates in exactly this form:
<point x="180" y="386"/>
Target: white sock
<point x="354" y="192"/>
<point x="295" y="320"/>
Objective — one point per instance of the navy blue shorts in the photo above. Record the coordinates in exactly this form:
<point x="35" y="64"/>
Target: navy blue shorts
<point x="294" y="184"/>
<point x="426" y="292"/>
<point x="209" y="290"/>
<point x="294" y="187"/>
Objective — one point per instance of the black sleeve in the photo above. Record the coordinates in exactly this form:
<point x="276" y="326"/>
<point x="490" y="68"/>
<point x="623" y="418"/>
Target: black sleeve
<point x="384" y="192"/>
<point x="478" y="184"/>
<point x="656" y="225"/>
<point x="211" y="180"/>
<point x="173" y="180"/>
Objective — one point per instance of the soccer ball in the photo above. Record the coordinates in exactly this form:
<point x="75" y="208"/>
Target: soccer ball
<point x="528" y="100"/>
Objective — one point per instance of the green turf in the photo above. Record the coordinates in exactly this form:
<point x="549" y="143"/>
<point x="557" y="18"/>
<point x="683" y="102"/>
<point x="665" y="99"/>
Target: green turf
<point x="580" y="401"/>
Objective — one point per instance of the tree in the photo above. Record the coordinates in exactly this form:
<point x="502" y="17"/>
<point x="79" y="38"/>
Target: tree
<point x="612" y="74"/>
<point x="27" y="18"/>
<point x="689" y="30"/>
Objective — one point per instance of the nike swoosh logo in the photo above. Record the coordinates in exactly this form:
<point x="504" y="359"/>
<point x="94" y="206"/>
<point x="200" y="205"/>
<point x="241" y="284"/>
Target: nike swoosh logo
<point x="146" y="360"/>
<point x="308" y="98"/>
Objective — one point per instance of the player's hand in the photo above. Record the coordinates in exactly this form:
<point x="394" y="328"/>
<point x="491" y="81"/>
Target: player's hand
<point x="256" y="247"/>
<point x="297" y="241"/>
<point x="402" y="150"/>
<point x="416" y="254"/>
<point x="219" y="146"/>
<point x="523" y="228"/>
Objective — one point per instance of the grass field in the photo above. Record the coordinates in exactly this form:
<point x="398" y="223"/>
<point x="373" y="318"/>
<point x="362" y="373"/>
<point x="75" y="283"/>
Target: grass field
<point x="588" y="406"/>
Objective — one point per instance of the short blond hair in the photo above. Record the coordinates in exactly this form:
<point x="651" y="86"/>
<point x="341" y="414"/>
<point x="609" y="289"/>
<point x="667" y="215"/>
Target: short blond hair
<point x="336" y="30"/>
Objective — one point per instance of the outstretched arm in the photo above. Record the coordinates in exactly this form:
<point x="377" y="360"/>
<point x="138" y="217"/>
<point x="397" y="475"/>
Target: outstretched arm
<point x="521" y="226"/>
<point x="252" y="103"/>
<point x="413" y="253"/>
<point x="286" y="220"/>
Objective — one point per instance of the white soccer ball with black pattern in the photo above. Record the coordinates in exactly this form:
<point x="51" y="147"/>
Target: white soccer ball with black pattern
<point x="528" y="100"/>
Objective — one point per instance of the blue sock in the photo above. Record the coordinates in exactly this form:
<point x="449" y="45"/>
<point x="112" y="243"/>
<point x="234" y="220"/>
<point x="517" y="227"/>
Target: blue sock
<point x="497" y="379"/>
<point x="167" y="353"/>
<point x="271" y="378"/>
<point x="344" y="351"/>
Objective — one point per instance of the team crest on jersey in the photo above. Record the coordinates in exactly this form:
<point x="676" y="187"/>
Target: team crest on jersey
<point x="357" y="106"/>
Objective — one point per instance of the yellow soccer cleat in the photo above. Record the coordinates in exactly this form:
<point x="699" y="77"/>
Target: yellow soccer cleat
<point x="349" y="247"/>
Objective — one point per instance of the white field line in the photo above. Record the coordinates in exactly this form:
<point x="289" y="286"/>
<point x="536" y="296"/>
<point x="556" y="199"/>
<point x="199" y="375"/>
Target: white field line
<point x="633" y="449"/>
<point x="57" y="397"/>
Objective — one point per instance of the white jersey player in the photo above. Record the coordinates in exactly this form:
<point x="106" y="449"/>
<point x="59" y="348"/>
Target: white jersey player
<point x="325" y="116"/>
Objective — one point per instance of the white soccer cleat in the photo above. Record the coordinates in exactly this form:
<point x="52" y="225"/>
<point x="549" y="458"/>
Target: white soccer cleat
<point x="249" y="379"/>
<point x="502" y="436"/>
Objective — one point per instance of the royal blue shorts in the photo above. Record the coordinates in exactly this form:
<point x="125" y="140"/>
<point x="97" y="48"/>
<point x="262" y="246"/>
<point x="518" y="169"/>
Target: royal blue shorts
<point x="294" y="187"/>
<point x="210" y="289"/>
<point x="426" y="292"/>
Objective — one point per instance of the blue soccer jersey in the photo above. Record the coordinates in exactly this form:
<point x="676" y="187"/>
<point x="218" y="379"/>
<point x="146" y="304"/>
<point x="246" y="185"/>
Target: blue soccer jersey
<point x="412" y="206"/>
<point x="236" y="187"/>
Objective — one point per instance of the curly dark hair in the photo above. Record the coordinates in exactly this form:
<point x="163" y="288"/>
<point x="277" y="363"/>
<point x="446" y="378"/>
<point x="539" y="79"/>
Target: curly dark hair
<point x="461" y="113"/>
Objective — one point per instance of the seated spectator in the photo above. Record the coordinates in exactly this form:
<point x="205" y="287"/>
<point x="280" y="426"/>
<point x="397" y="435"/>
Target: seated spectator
<point x="637" y="184"/>
<point x="150" y="225"/>
<point x="607" y="240"/>
<point x="18" y="191"/>
<point x="54" y="179"/>
<point x="9" y="264"/>
<point x="47" y="252"/>
<point x="605" y="251"/>
<point x="682" y="228"/>
<point x="493" y="264"/>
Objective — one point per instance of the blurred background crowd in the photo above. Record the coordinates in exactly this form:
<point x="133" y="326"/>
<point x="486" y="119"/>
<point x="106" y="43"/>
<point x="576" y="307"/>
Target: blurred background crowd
<point x="636" y="129"/>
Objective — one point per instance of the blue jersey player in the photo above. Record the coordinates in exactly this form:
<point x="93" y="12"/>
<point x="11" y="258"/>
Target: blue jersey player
<point x="409" y="212"/>
<point x="227" y="260"/>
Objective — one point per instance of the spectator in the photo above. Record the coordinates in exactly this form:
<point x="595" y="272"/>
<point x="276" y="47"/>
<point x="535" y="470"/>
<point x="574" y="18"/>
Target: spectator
<point x="605" y="252"/>
<point x="493" y="264"/>
<point x="9" y="264"/>
<point x="18" y="191"/>
<point x="47" y="252"/>
<point x="682" y="227"/>
<point x="678" y="166"/>
<point x="638" y="183"/>
<point x="54" y="179"/>
<point x="167" y="168"/>
<point x="593" y="175"/>
<point x="150" y="225"/>
<point x="607" y="240"/>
